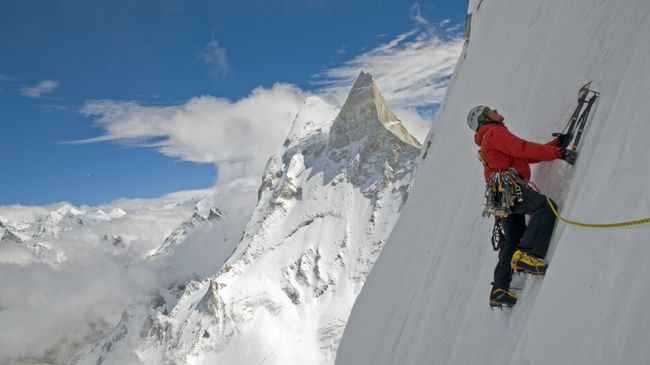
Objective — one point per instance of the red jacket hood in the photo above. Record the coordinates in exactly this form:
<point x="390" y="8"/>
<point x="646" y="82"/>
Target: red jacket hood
<point x="478" y="136"/>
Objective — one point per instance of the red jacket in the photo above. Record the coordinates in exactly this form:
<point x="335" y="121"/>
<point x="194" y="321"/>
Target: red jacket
<point x="502" y="150"/>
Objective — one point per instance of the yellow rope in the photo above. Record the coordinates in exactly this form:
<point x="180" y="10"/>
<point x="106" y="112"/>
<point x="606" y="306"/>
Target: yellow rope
<point x="592" y="225"/>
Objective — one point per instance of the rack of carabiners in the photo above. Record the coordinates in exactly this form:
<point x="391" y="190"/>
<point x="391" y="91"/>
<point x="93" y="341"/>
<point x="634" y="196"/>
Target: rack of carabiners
<point x="502" y="192"/>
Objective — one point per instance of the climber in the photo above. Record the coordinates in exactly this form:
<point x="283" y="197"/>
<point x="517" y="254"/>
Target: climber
<point x="501" y="152"/>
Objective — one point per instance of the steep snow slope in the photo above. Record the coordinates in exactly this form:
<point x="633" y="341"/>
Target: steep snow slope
<point x="426" y="299"/>
<point x="327" y="203"/>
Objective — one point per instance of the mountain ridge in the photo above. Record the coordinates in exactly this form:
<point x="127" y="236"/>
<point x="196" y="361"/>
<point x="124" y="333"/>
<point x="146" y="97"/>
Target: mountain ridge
<point x="323" y="213"/>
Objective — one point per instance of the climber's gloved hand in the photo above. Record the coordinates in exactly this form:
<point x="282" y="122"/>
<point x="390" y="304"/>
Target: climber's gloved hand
<point x="563" y="139"/>
<point x="569" y="156"/>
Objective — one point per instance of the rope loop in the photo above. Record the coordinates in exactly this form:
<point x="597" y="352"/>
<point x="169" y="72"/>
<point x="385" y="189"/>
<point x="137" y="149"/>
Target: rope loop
<point x="596" y="225"/>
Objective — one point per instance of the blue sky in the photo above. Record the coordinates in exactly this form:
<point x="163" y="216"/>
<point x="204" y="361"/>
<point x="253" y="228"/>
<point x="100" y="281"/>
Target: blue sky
<point x="107" y="99"/>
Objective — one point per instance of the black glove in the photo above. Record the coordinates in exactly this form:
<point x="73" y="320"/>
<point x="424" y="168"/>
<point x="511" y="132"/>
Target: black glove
<point x="563" y="140"/>
<point x="568" y="156"/>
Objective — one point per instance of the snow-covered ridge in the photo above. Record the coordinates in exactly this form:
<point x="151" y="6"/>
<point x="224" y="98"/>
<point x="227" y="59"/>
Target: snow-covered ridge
<point x="40" y="235"/>
<point x="197" y="221"/>
<point x="62" y="292"/>
<point x="32" y="240"/>
<point x="426" y="299"/>
<point x="324" y="211"/>
<point x="63" y="218"/>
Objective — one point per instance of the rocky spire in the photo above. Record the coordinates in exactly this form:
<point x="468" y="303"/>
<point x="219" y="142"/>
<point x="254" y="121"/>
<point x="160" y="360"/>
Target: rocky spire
<point x="363" y="109"/>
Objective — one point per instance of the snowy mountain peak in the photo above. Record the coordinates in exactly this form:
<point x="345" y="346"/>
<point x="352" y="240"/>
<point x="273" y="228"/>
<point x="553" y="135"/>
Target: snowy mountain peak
<point x="326" y="206"/>
<point x="363" y="109"/>
<point x="113" y="213"/>
<point x="64" y="210"/>
<point x="315" y="114"/>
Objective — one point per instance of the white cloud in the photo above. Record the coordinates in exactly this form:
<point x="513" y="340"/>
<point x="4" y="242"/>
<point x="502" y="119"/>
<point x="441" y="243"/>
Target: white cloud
<point x="215" y="56"/>
<point x="455" y="28"/>
<point x="41" y="89"/>
<point x="49" y="309"/>
<point x="236" y="136"/>
<point x="412" y="70"/>
<point x="416" y="15"/>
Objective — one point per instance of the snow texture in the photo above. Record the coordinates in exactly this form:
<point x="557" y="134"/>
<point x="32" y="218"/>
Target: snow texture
<point x="426" y="299"/>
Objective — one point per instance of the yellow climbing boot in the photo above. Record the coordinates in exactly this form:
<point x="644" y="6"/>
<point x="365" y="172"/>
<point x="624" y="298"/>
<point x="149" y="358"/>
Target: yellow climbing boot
<point x="528" y="263"/>
<point x="502" y="298"/>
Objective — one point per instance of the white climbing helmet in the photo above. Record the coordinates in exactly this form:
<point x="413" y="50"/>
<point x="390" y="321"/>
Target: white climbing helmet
<point x="474" y="116"/>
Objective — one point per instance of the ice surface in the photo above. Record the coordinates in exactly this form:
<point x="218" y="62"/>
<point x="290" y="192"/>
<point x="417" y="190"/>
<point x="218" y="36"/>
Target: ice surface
<point x="426" y="299"/>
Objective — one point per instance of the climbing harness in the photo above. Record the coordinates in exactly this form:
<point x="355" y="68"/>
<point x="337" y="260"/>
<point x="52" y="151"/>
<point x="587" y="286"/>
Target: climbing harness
<point x="596" y="225"/>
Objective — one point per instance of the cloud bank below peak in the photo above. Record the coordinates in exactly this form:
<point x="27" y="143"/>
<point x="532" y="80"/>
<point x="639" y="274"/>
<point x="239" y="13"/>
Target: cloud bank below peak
<point x="237" y="136"/>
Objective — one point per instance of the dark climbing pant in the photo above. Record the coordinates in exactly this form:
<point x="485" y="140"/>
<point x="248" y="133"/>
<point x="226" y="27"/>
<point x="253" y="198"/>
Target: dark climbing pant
<point x="533" y="238"/>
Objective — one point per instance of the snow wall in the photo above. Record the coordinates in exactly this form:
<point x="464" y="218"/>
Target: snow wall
<point x="426" y="299"/>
